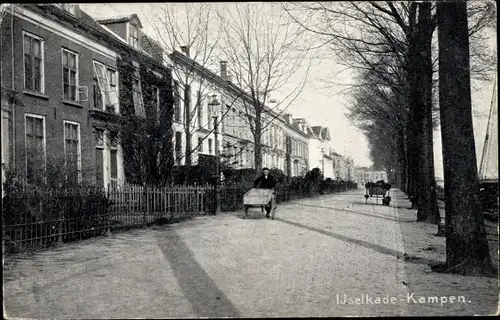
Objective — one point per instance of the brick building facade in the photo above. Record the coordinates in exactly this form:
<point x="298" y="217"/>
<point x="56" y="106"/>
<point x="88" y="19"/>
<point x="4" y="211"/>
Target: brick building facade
<point x="61" y="94"/>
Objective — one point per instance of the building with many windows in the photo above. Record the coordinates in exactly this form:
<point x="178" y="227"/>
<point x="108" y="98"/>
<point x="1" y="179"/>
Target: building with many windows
<point x="365" y="175"/>
<point x="62" y="91"/>
<point x="280" y="137"/>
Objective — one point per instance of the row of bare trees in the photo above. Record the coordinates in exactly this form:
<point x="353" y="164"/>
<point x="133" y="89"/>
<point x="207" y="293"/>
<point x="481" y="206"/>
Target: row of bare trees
<point x="263" y="50"/>
<point x="392" y="48"/>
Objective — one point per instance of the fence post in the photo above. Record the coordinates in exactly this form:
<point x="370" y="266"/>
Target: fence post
<point x="147" y="206"/>
<point x="59" y="222"/>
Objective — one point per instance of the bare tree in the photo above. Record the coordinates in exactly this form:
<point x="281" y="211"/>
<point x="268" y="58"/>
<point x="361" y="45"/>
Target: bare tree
<point x="467" y="251"/>
<point x="265" y="53"/>
<point x="194" y="29"/>
<point x="359" y="34"/>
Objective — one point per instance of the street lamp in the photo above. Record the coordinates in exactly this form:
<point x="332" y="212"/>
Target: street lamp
<point x="215" y="104"/>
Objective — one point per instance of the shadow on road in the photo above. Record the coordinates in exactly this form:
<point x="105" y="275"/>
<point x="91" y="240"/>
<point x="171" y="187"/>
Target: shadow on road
<point x="202" y="292"/>
<point x="357" y="212"/>
<point x="365" y="244"/>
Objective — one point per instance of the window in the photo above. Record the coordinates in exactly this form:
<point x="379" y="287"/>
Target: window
<point x="33" y="63"/>
<point x="99" y="138"/>
<point x="134" y="36"/>
<point x="156" y="102"/>
<point x="112" y="94"/>
<point x="72" y="150"/>
<point x="98" y="101"/>
<point x="209" y="146"/>
<point x="200" y="109"/>
<point x="113" y="167"/>
<point x="138" y="102"/>
<point x="71" y="8"/>
<point x="35" y="147"/>
<point x="99" y="156"/>
<point x="70" y="75"/>
<point x="200" y="144"/>
<point x="177" y="101"/>
<point x="105" y="88"/>
<point x="6" y="141"/>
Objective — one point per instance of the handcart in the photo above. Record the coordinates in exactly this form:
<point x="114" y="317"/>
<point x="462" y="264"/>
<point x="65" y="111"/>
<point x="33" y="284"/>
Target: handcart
<point x="378" y="189"/>
<point x="259" y="197"/>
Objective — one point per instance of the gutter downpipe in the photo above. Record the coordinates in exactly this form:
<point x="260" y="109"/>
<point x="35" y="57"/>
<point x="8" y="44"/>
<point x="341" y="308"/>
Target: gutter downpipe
<point x="13" y="86"/>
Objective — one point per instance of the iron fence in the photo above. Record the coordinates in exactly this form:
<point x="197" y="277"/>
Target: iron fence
<point x="34" y="218"/>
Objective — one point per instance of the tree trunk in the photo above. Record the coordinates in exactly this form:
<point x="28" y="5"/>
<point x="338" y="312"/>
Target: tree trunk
<point x="402" y="163"/>
<point x="426" y="194"/>
<point x="187" y="124"/>
<point x="467" y="251"/>
<point x="413" y="117"/>
<point x="257" y="140"/>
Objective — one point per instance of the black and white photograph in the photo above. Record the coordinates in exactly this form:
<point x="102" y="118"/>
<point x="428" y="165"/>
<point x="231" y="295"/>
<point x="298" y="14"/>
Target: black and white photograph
<point x="323" y="159"/>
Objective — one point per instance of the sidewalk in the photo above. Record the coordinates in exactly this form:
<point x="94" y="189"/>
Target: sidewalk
<point x="422" y="248"/>
<point x="224" y="266"/>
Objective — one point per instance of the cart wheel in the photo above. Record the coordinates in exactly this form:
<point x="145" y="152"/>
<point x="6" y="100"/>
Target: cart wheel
<point x="245" y="213"/>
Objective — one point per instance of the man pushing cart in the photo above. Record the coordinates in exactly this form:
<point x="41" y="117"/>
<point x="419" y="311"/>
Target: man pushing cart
<point x="262" y="194"/>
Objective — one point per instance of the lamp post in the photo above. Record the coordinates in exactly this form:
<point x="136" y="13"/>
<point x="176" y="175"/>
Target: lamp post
<point x="215" y="104"/>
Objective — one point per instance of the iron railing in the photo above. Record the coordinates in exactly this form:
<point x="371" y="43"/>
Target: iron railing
<point x="35" y="218"/>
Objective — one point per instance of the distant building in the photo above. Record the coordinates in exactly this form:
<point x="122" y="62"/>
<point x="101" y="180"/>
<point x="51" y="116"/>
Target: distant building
<point x="365" y="175"/>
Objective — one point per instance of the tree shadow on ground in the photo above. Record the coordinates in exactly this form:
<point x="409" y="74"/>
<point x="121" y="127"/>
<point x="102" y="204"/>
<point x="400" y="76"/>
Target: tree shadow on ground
<point x="365" y="244"/>
<point x="202" y="292"/>
<point x="354" y="211"/>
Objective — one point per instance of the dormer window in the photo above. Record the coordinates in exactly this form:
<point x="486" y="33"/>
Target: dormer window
<point x="71" y="8"/>
<point x="133" y="36"/>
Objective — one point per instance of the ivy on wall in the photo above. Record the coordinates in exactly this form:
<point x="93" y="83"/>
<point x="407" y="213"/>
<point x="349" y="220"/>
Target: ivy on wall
<point x="146" y="142"/>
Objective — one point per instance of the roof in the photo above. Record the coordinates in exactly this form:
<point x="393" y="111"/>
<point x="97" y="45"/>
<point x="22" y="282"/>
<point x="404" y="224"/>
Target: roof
<point x="322" y="133"/>
<point x="120" y="19"/>
<point x="316" y="130"/>
<point x="90" y="25"/>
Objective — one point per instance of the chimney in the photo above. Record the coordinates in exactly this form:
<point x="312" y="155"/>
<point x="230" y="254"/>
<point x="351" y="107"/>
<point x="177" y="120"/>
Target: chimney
<point x="223" y="70"/>
<point x="288" y="117"/>
<point x="185" y="49"/>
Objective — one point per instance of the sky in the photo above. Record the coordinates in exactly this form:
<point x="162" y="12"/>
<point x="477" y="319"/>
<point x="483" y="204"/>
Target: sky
<point x="320" y="106"/>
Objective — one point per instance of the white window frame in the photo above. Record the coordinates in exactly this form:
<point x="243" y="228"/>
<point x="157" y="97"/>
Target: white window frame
<point x="102" y="145"/>
<point x="42" y="67"/>
<point x="117" y="90"/>
<point x="77" y="80"/>
<point x="37" y="116"/>
<point x="141" y="98"/>
<point x="79" y="147"/>
<point x="105" y="92"/>
<point x="113" y="181"/>
<point x="129" y="36"/>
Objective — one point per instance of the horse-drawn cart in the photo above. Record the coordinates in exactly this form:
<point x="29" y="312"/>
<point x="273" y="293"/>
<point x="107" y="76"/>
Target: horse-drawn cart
<point x="259" y="197"/>
<point x="378" y="189"/>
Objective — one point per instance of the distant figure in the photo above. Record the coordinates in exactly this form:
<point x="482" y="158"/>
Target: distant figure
<point x="265" y="181"/>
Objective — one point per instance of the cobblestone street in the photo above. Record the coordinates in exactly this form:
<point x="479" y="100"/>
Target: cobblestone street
<point x="316" y="253"/>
